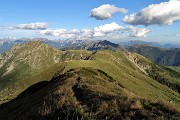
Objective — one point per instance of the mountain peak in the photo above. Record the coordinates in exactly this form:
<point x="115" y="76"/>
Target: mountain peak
<point x="30" y="55"/>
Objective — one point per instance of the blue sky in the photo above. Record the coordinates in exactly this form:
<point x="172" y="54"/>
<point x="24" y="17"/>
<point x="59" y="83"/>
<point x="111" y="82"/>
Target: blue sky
<point x="74" y="14"/>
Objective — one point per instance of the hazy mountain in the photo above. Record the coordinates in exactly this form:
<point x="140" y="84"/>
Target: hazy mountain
<point x="7" y="44"/>
<point x="96" y="45"/>
<point x="77" y="83"/>
<point x="139" y="42"/>
<point x="167" y="57"/>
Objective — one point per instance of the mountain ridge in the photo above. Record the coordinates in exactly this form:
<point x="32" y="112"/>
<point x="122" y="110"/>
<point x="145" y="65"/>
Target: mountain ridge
<point x="6" y="44"/>
<point x="76" y="97"/>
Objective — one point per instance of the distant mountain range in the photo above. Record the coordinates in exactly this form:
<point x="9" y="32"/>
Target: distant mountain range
<point x="167" y="57"/>
<point x="167" y="54"/>
<point x="7" y="43"/>
<point x="139" y="42"/>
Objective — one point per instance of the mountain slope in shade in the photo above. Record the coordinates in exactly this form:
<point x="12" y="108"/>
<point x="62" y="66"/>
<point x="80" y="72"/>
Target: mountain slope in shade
<point x="83" y="93"/>
<point x="5" y="46"/>
<point x="139" y="42"/>
<point x="167" y="57"/>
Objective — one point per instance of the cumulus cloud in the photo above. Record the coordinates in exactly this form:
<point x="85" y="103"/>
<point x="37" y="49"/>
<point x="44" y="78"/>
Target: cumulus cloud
<point x="63" y="33"/>
<point x="32" y="26"/>
<point x="56" y="32"/>
<point x="136" y="32"/>
<point x="105" y="11"/>
<point x="105" y="29"/>
<point x="109" y="31"/>
<point x="159" y="14"/>
<point x="115" y="29"/>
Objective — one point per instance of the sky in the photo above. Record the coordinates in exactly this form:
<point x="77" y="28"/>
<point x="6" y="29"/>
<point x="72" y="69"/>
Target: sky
<point x="114" y="20"/>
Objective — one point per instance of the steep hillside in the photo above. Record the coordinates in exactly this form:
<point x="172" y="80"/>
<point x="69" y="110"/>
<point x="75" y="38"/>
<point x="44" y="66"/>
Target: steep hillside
<point x="22" y="62"/>
<point x="163" y="75"/>
<point x="83" y="93"/>
<point x="149" y="52"/>
<point x="169" y="57"/>
<point x="166" y="57"/>
<point x="33" y="54"/>
<point x="177" y="69"/>
<point x="26" y="61"/>
<point x="131" y="77"/>
<point x="140" y="42"/>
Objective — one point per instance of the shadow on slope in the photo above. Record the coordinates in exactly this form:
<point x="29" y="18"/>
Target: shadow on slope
<point x="82" y="93"/>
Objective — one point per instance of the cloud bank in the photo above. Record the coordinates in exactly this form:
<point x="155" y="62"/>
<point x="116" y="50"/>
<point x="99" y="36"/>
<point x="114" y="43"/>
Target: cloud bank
<point x="164" y="13"/>
<point x="107" y="31"/>
<point x="2" y="28"/>
<point x="105" y="12"/>
<point x="32" y="26"/>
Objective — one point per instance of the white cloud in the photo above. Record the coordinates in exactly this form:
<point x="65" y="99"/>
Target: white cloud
<point x="115" y="29"/>
<point x="105" y="11"/>
<point x="32" y="26"/>
<point x="136" y="32"/>
<point x="63" y="33"/>
<point x="107" y="31"/>
<point x="56" y="32"/>
<point x="160" y="14"/>
<point x="86" y="33"/>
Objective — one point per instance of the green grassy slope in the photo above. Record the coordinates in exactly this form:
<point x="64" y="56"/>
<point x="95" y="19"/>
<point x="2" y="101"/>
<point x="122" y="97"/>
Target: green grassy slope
<point x="83" y="93"/>
<point x="177" y="69"/>
<point x="29" y="63"/>
<point x="22" y="63"/>
<point x="117" y="65"/>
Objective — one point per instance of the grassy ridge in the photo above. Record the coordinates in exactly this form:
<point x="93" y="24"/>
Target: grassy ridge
<point x="83" y="93"/>
<point x="130" y="77"/>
